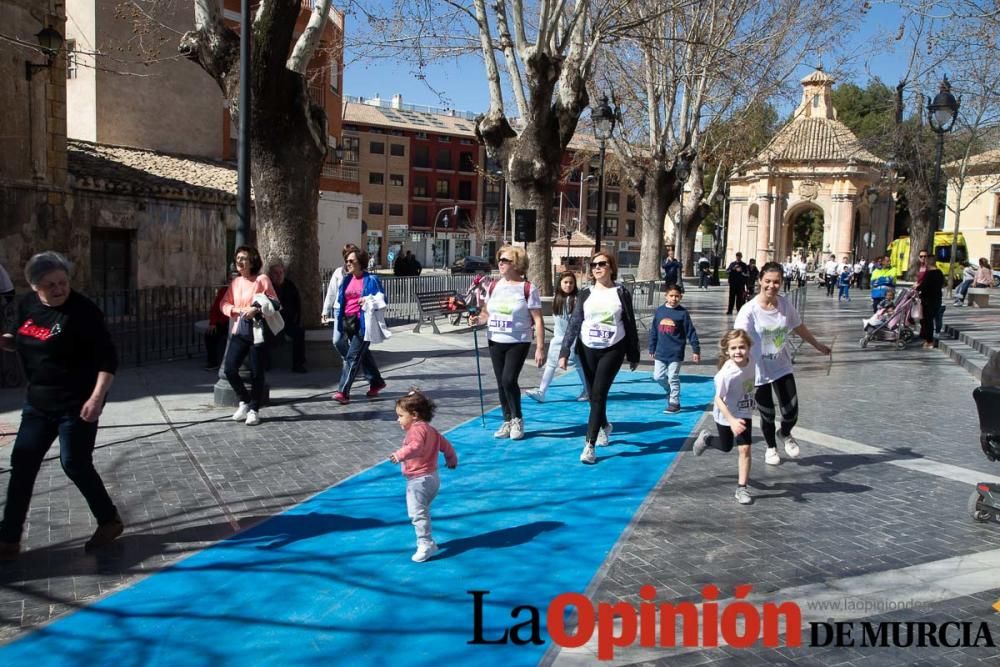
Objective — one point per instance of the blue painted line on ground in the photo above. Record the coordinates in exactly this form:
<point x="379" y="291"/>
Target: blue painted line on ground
<point x="331" y="581"/>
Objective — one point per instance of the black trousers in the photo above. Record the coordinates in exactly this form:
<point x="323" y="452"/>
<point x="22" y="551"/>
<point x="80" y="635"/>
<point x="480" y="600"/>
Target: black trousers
<point x="508" y="360"/>
<point x="241" y="348"/>
<point x="788" y="404"/>
<point x="737" y="297"/>
<point x="600" y="366"/>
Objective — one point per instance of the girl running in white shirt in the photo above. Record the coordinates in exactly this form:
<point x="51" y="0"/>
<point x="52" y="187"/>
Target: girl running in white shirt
<point x="733" y="406"/>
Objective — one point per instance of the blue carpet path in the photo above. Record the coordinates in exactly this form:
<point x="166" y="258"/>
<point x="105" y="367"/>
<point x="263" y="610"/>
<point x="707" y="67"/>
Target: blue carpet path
<point x="331" y="582"/>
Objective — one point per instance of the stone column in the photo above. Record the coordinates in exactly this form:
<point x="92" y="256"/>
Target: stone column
<point x="763" y="226"/>
<point x="845" y="224"/>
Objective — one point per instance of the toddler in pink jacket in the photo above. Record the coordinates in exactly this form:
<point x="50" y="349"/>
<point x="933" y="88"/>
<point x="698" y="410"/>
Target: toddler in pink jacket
<point x="419" y="456"/>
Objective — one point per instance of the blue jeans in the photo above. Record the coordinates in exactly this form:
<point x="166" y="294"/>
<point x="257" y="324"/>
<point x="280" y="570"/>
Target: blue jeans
<point x="668" y="375"/>
<point x="357" y="357"/>
<point x="38" y="431"/>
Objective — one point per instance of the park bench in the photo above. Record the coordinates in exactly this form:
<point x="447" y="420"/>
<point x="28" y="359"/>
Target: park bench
<point x="435" y="304"/>
<point x="980" y="296"/>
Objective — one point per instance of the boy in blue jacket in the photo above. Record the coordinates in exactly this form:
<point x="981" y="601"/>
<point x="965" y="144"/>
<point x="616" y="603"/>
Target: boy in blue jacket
<point x="672" y="329"/>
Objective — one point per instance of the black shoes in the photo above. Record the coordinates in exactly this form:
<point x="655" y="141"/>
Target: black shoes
<point x="105" y="534"/>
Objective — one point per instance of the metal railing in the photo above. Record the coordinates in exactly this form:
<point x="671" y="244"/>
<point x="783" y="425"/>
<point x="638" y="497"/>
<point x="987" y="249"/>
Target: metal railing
<point x="401" y="292"/>
<point x="156" y="324"/>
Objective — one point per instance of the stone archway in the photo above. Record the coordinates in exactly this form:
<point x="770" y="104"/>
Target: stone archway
<point x="813" y="163"/>
<point x="798" y="239"/>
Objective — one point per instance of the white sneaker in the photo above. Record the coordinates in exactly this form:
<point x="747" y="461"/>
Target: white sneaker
<point x="602" y="435"/>
<point x="584" y="396"/>
<point x="503" y="431"/>
<point x="424" y="552"/>
<point x="743" y="496"/>
<point x="790" y="443"/>
<point x="252" y="418"/>
<point x="517" y="429"/>
<point x="771" y="457"/>
<point x="241" y="412"/>
<point x="536" y="394"/>
<point x="588" y="455"/>
<point x="701" y="444"/>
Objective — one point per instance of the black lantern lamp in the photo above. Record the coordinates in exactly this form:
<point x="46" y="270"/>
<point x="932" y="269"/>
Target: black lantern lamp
<point x="942" y="112"/>
<point x="605" y="118"/>
<point x="50" y="40"/>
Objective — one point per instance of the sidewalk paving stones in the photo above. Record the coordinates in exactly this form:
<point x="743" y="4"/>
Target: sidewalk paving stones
<point x="185" y="476"/>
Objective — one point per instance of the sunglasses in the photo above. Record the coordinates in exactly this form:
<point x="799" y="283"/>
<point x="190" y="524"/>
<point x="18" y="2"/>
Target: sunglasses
<point x="922" y="256"/>
<point x="504" y="260"/>
<point x="350" y="261"/>
<point x="599" y="265"/>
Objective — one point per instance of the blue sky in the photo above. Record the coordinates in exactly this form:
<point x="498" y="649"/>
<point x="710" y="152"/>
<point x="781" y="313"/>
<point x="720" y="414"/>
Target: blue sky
<point x="460" y="83"/>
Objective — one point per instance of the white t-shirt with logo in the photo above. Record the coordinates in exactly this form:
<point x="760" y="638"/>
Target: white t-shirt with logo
<point x="735" y="386"/>
<point x="510" y="317"/>
<point x="769" y="331"/>
<point x="602" y="319"/>
<point x="831" y="268"/>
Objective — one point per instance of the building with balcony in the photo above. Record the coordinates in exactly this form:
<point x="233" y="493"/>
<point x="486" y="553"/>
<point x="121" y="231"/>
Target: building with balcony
<point x="416" y="164"/>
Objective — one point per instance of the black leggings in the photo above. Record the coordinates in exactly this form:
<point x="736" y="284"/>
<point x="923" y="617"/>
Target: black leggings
<point x="508" y="360"/>
<point x="600" y="366"/>
<point x="788" y="404"/>
<point x="726" y="439"/>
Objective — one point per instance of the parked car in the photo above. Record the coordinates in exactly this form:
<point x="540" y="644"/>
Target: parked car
<point x="471" y="264"/>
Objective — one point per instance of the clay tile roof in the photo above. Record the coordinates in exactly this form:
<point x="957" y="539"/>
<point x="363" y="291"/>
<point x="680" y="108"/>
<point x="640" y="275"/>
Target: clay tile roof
<point x="819" y="76"/>
<point x="987" y="162"/>
<point x="139" y="171"/>
<point x="815" y="140"/>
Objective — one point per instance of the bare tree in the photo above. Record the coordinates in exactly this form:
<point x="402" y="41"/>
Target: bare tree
<point x="685" y="68"/>
<point x="288" y="131"/>
<point x="543" y="55"/>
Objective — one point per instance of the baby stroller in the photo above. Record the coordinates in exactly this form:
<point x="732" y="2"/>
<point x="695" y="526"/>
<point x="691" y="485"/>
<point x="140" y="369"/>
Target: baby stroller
<point x="984" y="505"/>
<point x="893" y="325"/>
<point x="472" y="300"/>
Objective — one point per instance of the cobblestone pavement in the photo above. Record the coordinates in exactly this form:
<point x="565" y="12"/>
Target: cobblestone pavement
<point x="185" y="476"/>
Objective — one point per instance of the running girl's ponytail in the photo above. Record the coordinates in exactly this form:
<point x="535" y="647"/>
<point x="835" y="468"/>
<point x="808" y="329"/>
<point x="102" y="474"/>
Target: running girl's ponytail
<point x="726" y="339"/>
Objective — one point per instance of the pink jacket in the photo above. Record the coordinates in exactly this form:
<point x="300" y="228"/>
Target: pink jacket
<point x="419" y="453"/>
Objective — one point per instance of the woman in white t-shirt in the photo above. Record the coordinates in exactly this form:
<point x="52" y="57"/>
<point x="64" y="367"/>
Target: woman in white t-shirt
<point x="733" y="407"/>
<point x="603" y="330"/>
<point x="513" y="308"/>
<point x="769" y="318"/>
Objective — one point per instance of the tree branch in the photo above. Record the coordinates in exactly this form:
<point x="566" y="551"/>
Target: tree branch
<point x="310" y="38"/>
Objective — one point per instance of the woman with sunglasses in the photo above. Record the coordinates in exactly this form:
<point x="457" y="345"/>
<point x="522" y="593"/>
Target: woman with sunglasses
<point x="930" y="282"/>
<point x="238" y="305"/>
<point x="603" y="330"/>
<point x="355" y="342"/>
<point x="513" y="307"/>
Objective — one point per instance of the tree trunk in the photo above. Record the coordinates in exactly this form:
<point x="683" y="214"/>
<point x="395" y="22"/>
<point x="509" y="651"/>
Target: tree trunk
<point x="693" y="224"/>
<point x="532" y="160"/>
<point x="287" y="134"/>
<point x="653" y="188"/>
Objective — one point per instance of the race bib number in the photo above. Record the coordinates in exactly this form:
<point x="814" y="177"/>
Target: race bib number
<point x="601" y="334"/>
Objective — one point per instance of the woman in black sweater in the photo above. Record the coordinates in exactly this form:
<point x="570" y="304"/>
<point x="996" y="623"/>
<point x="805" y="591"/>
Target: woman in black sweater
<point x="70" y="363"/>
<point x="930" y="282"/>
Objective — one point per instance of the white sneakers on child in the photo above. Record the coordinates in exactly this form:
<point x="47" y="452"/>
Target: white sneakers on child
<point x="241" y="412"/>
<point x="588" y="455"/>
<point x="771" y="457"/>
<point x="424" y="552"/>
<point x="790" y="443"/>
<point x="536" y="394"/>
<point x="503" y="431"/>
<point x="584" y="396"/>
<point x="701" y="444"/>
<point x="516" y="428"/>
<point x="602" y="435"/>
<point x="743" y="496"/>
<point x="252" y="418"/>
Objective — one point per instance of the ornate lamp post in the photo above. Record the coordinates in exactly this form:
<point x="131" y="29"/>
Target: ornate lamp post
<point x="941" y="113"/>
<point x="50" y="40"/>
<point x="434" y="233"/>
<point x="605" y="120"/>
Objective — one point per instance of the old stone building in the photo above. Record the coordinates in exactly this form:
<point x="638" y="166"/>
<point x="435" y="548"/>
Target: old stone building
<point x="33" y="140"/>
<point x="814" y="163"/>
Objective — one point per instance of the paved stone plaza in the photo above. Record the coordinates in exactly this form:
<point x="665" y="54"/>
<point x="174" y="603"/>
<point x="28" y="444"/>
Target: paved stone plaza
<point x="874" y="509"/>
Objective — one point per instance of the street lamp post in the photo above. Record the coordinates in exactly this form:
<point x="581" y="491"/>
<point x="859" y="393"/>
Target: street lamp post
<point x="605" y="120"/>
<point x="575" y="222"/>
<point x="682" y="169"/>
<point x="941" y="113"/>
<point x="243" y="145"/>
<point x="434" y="232"/>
